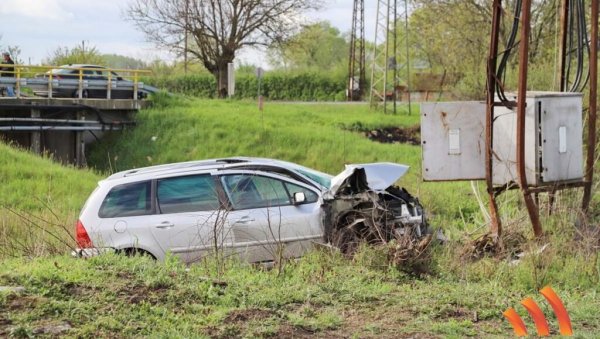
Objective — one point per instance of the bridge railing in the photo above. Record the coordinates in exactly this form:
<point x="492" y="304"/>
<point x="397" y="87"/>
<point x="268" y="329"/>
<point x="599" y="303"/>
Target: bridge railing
<point x="76" y="82"/>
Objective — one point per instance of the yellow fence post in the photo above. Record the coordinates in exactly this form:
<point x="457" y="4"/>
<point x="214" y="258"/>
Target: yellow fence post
<point x="135" y="85"/>
<point x="18" y="84"/>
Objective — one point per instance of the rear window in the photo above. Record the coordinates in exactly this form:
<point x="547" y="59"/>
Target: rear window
<point x="187" y="194"/>
<point x="127" y="200"/>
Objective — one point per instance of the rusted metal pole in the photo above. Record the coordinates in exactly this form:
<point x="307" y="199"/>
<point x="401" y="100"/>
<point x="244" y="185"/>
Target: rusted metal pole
<point x="532" y="209"/>
<point x="591" y="142"/>
<point x="495" y="222"/>
<point x="562" y="49"/>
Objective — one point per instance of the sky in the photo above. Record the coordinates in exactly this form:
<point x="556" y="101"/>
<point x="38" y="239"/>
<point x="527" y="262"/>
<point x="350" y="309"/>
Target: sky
<point x="39" y="27"/>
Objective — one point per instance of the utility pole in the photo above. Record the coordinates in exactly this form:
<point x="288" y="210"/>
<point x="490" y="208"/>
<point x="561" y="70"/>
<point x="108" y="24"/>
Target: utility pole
<point x="385" y="68"/>
<point x="356" y="60"/>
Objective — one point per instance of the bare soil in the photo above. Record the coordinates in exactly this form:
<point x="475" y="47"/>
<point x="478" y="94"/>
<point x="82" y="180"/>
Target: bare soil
<point x="389" y="135"/>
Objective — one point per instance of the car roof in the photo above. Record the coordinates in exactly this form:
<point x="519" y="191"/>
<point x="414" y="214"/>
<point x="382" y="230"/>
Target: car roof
<point x="81" y="66"/>
<point x="197" y="165"/>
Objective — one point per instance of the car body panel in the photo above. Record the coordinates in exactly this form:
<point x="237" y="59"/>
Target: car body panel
<point x="379" y="175"/>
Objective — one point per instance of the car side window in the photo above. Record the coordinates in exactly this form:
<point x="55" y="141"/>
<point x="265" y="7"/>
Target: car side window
<point x="253" y="191"/>
<point x="308" y="194"/>
<point x="187" y="194"/>
<point x="127" y="200"/>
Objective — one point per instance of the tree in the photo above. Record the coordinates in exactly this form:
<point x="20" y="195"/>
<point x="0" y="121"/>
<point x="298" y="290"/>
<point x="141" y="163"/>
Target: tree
<point x="317" y="46"/>
<point x="217" y="28"/>
<point x="123" y="62"/>
<point x="80" y="54"/>
<point x="454" y="36"/>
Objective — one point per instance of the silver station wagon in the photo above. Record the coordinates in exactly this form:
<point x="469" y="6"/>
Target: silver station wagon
<point x="255" y="208"/>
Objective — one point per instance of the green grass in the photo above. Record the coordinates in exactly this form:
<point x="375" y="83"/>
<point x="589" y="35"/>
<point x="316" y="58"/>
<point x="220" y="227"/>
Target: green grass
<point x="323" y="294"/>
<point x="39" y="202"/>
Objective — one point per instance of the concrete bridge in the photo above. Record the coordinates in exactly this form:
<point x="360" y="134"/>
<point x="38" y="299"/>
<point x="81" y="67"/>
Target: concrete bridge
<point x="61" y="109"/>
<point x="63" y="127"/>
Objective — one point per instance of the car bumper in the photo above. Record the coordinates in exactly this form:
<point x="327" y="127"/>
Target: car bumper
<point x="91" y="252"/>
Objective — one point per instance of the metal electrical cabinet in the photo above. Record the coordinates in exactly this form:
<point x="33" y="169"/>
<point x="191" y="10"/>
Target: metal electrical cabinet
<point x="553" y="140"/>
<point x="453" y="140"/>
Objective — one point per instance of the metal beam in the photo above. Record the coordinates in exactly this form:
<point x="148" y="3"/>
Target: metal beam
<point x="591" y="142"/>
<point x="532" y="208"/>
<point x="495" y="221"/>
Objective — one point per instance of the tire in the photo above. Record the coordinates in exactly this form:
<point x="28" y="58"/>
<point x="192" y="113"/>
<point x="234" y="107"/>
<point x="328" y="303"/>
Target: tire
<point x="134" y="252"/>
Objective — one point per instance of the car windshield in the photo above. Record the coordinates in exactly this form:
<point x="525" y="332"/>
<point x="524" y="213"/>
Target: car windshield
<point x="321" y="178"/>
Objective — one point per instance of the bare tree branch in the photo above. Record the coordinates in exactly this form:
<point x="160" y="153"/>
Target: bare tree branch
<point x="218" y="28"/>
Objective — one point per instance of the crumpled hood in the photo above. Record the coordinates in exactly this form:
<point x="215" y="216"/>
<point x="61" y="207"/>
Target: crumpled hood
<point x="379" y="176"/>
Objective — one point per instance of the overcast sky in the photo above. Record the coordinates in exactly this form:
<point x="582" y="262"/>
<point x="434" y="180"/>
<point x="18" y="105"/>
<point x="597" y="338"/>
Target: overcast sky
<point x="38" y="27"/>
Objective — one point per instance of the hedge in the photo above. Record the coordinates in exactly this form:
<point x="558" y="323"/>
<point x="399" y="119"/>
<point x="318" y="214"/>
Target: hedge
<point x="274" y="86"/>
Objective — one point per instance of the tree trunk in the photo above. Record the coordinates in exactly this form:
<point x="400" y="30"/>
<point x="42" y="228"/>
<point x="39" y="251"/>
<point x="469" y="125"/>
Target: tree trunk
<point x="222" y="80"/>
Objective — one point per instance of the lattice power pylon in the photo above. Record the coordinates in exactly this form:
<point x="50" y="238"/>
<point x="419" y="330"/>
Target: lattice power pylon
<point x="388" y="75"/>
<point x="356" y="61"/>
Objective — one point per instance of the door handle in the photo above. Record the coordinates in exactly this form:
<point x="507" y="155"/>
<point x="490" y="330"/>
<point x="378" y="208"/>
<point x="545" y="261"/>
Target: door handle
<point x="244" y="220"/>
<point x="165" y="224"/>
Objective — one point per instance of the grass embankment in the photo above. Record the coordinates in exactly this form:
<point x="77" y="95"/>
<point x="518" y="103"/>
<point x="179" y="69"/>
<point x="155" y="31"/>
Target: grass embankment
<point x="39" y="199"/>
<point x="322" y="294"/>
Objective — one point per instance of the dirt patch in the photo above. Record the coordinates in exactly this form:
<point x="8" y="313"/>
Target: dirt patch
<point x="19" y="303"/>
<point x="136" y="294"/>
<point x="289" y="331"/>
<point x="248" y="315"/>
<point x="4" y="325"/>
<point x="77" y="290"/>
<point x="390" y="135"/>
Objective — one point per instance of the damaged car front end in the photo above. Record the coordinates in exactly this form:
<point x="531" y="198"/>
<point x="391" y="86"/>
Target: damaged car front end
<point x="363" y="206"/>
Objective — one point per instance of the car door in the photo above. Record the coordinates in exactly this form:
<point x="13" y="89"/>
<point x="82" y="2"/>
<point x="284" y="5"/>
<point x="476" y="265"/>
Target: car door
<point x="125" y="217"/>
<point x="190" y="223"/>
<point x="264" y="222"/>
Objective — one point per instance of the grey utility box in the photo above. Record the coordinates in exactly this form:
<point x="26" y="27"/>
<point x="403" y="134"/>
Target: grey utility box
<point x="453" y="140"/>
<point x="553" y="140"/>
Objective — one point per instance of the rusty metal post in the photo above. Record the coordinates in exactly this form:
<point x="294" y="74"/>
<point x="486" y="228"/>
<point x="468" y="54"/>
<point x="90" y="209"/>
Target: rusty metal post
<point x="562" y="49"/>
<point x="495" y="222"/>
<point x="532" y="209"/>
<point x="591" y="142"/>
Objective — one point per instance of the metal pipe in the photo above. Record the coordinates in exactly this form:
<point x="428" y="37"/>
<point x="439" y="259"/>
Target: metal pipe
<point x="66" y="121"/>
<point x="495" y="222"/>
<point x="532" y="209"/>
<point x="61" y="128"/>
<point x="591" y="142"/>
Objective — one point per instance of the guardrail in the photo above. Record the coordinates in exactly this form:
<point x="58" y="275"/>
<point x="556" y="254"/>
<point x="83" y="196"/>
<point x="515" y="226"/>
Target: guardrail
<point x="78" y="82"/>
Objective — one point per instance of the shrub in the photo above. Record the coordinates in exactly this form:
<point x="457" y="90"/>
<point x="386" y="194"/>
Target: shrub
<point x="308" y="86"/>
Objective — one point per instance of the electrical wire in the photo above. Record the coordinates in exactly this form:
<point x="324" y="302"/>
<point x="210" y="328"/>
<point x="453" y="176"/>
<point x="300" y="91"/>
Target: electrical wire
<point x="510" y="45"/>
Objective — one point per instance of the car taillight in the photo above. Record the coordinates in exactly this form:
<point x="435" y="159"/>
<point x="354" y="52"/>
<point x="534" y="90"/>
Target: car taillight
<point x="82" y="237"/>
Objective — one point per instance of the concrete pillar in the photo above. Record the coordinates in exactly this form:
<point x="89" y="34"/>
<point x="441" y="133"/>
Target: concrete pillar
<point x="80" y="144"/>
<point x="36" y="137"/>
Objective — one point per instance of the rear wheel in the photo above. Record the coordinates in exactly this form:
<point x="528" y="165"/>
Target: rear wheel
<point x="135" y="252"/>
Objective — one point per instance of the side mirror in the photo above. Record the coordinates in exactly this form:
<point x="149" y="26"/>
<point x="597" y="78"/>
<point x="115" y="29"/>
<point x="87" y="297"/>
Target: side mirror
<point x="299" y="198"/>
